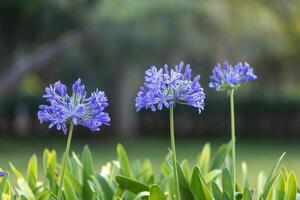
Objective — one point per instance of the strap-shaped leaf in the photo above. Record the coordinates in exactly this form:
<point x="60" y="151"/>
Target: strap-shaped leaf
<point x="25" y="189"/>
<point x="185" y="168"/>
<point x="199" y="187"/>
<point x="270" y="194"/>
<point x="219" y="157"/>
<point x="15" y="171"/>
<point x="123" y="160"/>
<point x="68" y="189"/>
<point x="216" y="191"/>
<point x="148" y="171"/>
<point x="245" y="174"/>
<point x="87" y="172"/>
<point x="49" y="165"/>
<point x="227" y="184"/>
<point x="204" y="159"/>
<point x="247" y="194"/>
<point x="3" y="183"/>
<point x="184" y="188"/>
<point x="275" y="168"/>
<point x="212" y="175"/>
<point x="156" y="193"/>
<point x="32" y="172"/>
<point x="292" y="187"/>
<point x="280" y="193"/>
<point x="46" y="195"/>
<point x="271" y="179"/>
<point x="141" y="195"/>
<point x="75" y="182"/>
<point x="106" y="189"/>
<point x="268" y="189"/>
<point x="196" y="185"/>
<point x="131" y="185"/>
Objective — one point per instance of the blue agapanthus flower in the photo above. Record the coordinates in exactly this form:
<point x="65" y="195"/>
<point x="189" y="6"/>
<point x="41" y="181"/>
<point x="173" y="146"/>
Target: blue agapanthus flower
<point x="63" y="109"/>
<point x="2" y="173"/>
<point x="230" y="77"/>
<point x="165" y="88"/>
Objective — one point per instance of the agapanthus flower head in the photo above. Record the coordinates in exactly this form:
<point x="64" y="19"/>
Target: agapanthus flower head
<point x="2" y="173"/>
<point x="165" y="88"/>
<point x="231" y="77"/>
<point x="78" y="108"/>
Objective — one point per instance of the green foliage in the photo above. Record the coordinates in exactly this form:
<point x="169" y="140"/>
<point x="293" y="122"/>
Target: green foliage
<point x="208" y="179"/>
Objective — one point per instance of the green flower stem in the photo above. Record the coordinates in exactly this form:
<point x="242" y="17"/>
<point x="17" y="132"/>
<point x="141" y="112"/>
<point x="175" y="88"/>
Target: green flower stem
<point x="233" y="140"/>
<point x="66" y="158"/>
<point x="174" y="152"/>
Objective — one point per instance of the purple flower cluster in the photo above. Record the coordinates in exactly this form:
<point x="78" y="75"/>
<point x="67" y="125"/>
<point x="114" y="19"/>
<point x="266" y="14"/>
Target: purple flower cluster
<point x="77" y="108"/>
<point x="166" y="88"/>
<point x="2" y="173"/>
<point x="230" y="77"/>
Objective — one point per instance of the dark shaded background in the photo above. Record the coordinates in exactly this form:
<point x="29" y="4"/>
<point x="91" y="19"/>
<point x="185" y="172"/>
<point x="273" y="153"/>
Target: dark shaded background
<point x="109" y="44"/>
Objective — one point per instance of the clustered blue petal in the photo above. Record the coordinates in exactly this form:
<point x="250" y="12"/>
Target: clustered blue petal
<point x="2" y="173"/>
<point x="77" y="108"/>
<point x="165" y="88"/>
<point x="230" y="77"/>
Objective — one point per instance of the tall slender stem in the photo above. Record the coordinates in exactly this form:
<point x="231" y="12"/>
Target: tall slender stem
<point x="233" y="140"/>
<point x="66" y="158"/>
<point x="173" y="147"/>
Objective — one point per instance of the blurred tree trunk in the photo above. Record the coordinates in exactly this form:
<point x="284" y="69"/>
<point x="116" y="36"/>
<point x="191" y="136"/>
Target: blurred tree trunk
<point x="43" y="56"/>
<point x="126" y="92"/>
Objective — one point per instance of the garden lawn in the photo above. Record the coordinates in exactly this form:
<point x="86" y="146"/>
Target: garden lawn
<point x="259" y="154"/>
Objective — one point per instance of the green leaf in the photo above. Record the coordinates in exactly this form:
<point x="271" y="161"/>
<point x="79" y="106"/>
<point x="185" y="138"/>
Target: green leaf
<point x="156" y="193"/>
<point x="74" y="182"/>
<point x="219" y="157"/>
<point x="25" y="189"/>
<point x="148" y="171"/>
<point x="141" y="195"/>
<point x="275" y="168"/>
<point x="280" y="193"/>
<point x="165" y="169"/>
<point x="87" y="172"/>
<point x="216" y="191"/>
<point x="185" y="168"/>
<point x="185" y="191"/>
<point x="227" y="183"/>
<point x="292" y="187"/>
<point x="106" y="189"/>
<point x="225" y="197"/>
<point x="76" y="159"/>
<point x="15" y="171"/>
<point x="23" y="186"/>
<point x="270" y="194"/>
<point x="49" y="165"/>
<point x="198" y="186"/>
<point x="32" y="172"/>
<point x="261" y="181"/>
<point x="124" y="164"/>
<point x="131" y="185"/>
<point x="46" y="195"/>
<point x="204" y="159"/>
<point x="245" y="174"/>
<point x="247" y="194"/>
<point x="68" y="189"/>
<point x="212" y="175"/>
<point x="268" y="189"/>
<point x="49" y="161"/>
<point x="3" y="183"/>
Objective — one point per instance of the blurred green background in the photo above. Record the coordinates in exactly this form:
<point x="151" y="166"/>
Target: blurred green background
<point x="109" y="44"/>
